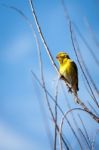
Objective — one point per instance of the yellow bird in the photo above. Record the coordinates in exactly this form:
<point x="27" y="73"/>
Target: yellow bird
<point x="68" y="70"/>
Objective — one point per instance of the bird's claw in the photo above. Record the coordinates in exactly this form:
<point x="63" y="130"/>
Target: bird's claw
<point x="77" y="100"/>
<point x="61" y="77"/>
<point x="69" y="89"/>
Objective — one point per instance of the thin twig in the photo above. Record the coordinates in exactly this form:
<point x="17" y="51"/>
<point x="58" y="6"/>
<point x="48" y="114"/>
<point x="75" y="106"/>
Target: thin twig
<point x="57" y="107"/>
<point x="73" y="38"/>
<point x="87" y="72"/>
<point x="73" y="131"/>
<point x="61" y="124"/>
<point x="68" y="104"/>
<point x="95" y="100"/>
<point x="41" y="36"/>
<point x="44" y="88"/>
<point x="87" y="45"/>
<point x="81" y="103"/>
<point x="87" y="87"/>
<point x="56" y="98"/>
<point x="85" y="110"/>
<point x="45" y="117"/>
<point x="43" y="83"/>
<point x="20" y="12"/>
<point x="93" y="142"/>
<point x="69" y="107"/>
<point x="47" y="49"/>
<point x="44" y="42"/>
<point x="84" y="137"/>
<point x="52" y="98"/>
<point x="38" y="48"/>
<point x="85" y="130"/>
<point x="92" y="33"/>
<point x="41" y="72"/>
<point x="86" y="69"/>
<point x="91" y="97"/>
<point x="93" y="108"/>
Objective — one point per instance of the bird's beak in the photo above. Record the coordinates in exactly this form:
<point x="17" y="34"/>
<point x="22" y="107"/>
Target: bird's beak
<point x="57" y="57"/>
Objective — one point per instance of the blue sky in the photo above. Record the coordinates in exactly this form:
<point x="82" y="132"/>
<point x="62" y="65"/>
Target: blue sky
<point x="21" y="123"/>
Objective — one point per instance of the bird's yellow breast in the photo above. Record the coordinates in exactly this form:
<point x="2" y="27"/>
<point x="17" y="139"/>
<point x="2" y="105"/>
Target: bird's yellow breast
<point x="66" y="69"/>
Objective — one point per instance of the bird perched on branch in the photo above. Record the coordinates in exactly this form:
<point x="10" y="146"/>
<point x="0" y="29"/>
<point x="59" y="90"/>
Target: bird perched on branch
<point x="68" y="70"/>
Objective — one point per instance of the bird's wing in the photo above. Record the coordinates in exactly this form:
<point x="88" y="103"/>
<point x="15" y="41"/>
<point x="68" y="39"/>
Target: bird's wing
<point x="76" y="72"/>
<point x="75" y="67"/>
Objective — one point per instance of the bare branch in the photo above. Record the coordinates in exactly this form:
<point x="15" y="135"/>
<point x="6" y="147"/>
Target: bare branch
<point x="93" y="143"/>
<point x="38" y="48"/>
<point x="41" y="36"/>
<point x="72" y="33"/>
<point x="87" y="45"/>
<point x="73" y="39"/>
<point x="61" y="124"/>
<point x="45" y="44"/>
<point x="57" y="107"/>
<point x="73" y="117"/>
<point x="53" y="99"/>
<point x="56" y="98"/>
<point x="85" y="130"/>
<point x="89" y="112"/>
<point x="84" y="137"/>
<point x="87" y="71"/>
<point x="93" y="108"/>
<point x="92" y="32"/>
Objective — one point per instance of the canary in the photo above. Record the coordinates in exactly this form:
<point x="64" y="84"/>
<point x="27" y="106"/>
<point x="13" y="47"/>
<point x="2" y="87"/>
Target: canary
<point x="68" y="70"/>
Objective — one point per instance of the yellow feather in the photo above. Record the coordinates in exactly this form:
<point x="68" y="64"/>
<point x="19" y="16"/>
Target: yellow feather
<point x="68" y="69"/>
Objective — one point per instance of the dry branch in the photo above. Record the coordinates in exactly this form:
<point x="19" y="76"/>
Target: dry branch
<point x="39" y="54"/>
<point x="73" y="38"/>
<point x="85" y="130"/>
<point x="86" y="43"/>
<point x="49" y="53"/>
<point x="38" y="48"/>
<point x="94" y="139"/>
<point x="92" y="33"/>
<point x="44" y="42"/>
<point x="58" y="108"/>
<point x="56" y="98"/>
<point x="41" y="36"/>
<point x="84" y="137"/>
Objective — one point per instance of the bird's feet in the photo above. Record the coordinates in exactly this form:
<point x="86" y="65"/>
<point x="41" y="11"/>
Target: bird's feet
<point x="77" y="100"/>
<point x="69" y="89"/>
<point x="62" y="77"/>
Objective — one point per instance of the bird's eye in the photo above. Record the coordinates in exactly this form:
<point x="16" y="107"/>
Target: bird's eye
<point x="64" y="56"/>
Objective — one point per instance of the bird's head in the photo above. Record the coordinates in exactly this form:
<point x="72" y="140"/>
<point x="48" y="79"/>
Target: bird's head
<point x="62" y="56"/>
